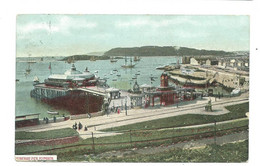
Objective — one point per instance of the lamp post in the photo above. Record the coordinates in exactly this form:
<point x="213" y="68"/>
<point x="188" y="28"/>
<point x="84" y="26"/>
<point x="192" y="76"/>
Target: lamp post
<point x="126" y="105"/>
<point x="178" y="98"/>
<point x="177" y="102"/>
<point x="215" y="94"/>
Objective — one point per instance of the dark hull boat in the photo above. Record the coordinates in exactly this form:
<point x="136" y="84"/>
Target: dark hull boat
<point x="127" y="66"/>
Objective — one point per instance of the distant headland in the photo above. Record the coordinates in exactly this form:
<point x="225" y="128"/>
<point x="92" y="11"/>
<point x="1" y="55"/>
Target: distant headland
<point x="146" y="51"/>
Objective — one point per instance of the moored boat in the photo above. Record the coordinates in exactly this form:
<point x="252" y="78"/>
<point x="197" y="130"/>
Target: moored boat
<point x="53" y="112"/>
<point x="137" y="58"/>
<point x="92" y="58"/>
<point x="131" y="65"/>
<point x="113" y="60"/>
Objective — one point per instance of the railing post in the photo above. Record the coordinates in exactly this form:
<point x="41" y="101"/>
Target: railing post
<point x="130" y="135"/>
<point x="215" y="141"/>
<point x="215" y="130"/>
<point x="172" y="134"/>
<point x="93" y="143"/>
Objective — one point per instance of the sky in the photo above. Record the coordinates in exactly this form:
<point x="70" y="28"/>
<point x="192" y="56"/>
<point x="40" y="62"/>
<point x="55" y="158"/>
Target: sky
<point x="65" y="35"/>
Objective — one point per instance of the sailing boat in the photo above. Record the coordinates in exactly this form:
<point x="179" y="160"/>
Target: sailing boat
<point x="113" y="60"/>
<point x="71" y="60"/>
<point x="28" y="69"/>
<point x="36" y="80"/>
<point x="137" y="58"/>
<point x="131" y="65"/>
<point x="118" y="74"/>
<point x="92" y="58"/>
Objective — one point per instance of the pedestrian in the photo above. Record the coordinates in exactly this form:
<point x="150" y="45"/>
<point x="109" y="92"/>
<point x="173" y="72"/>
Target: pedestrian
<point x="80" y="126"/>
<point x="118" y="111"/>
<point x="86" y="129"/>
<point x="54" y="119"/>
<point x="47" y="120"/>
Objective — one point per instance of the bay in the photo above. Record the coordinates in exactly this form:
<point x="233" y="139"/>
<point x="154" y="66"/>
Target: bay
<point x="118" y="77"/>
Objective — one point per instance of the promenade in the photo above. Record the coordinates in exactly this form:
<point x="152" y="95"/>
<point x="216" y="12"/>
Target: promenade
<point x="96" y="124"/>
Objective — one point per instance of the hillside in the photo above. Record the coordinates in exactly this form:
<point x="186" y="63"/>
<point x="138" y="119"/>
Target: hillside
<point x="149" y="51"/>
<point x="84" y="57"/>
<point x="162" y="51"/>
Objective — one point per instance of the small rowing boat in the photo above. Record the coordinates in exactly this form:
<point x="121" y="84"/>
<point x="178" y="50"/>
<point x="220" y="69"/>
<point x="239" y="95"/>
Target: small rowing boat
<point x="53" y="112"/>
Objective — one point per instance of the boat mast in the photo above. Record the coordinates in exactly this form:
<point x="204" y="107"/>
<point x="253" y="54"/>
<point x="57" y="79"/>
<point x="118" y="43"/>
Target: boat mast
<point x="29" y="65"/>
<point x="50" y="68"/>
<point x="125" y="60"/>
<point x="29" y="61"/>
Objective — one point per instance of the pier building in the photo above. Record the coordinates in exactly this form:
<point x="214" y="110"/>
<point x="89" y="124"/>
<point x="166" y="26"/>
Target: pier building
<point x="69" y="91"/>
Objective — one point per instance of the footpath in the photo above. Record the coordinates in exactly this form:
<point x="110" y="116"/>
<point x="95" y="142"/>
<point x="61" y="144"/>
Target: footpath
<point x="140" y="115"/>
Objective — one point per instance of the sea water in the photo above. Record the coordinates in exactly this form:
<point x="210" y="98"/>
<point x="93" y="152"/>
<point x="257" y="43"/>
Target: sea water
<point x="118" y="77"/>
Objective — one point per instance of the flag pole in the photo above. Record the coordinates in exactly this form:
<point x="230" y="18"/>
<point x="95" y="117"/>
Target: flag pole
<point x="50" y="68"/>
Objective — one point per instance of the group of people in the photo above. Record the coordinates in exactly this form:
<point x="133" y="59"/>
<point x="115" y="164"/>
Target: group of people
<point x="46" y="120"/>
<point x="79" y="126"/>
<point x="115" y="109"/>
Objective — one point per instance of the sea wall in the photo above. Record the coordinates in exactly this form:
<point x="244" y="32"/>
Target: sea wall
<point x="51" y="120"/>
<point x="82" y="116"/>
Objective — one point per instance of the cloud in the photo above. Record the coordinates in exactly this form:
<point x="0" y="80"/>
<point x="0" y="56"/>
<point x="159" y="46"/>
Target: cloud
<point x="62" y="24"/>
<point x="102" y="35"/>
<point x="105" y="32"/>
<point x="75" y="23"/>
<point x="154" y="23"/>
<point x="190" y="34"/>
<point x="132" y="23"/>
<point x="31" y="27"/>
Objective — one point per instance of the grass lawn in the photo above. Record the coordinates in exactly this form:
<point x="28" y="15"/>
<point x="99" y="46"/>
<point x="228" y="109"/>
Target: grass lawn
<point x="122" y="141"/>
<point x="232" y="152"/>
<point x="76" y="151"/>
<point x="236" y="111"/>
<point x="51" y="134"/>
